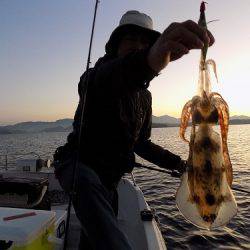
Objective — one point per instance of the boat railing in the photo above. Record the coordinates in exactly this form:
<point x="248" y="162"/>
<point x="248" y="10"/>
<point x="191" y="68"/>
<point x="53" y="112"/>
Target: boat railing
<point x="8" y="160"/>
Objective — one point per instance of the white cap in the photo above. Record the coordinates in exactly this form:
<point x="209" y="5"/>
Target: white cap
<point x="137" y="18"/>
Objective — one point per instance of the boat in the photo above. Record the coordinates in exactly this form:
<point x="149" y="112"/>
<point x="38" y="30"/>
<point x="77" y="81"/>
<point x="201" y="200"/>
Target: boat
<point x="135" y="218"/>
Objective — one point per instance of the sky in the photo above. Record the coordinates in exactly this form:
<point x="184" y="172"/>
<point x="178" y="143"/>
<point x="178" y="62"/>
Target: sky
<point x="44" y="48"/>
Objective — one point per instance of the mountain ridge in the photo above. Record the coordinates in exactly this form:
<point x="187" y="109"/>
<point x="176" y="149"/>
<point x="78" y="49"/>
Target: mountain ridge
<point x="65" y="125"/>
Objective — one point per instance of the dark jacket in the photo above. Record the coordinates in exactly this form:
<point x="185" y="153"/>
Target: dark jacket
<point x="117" y="117"/>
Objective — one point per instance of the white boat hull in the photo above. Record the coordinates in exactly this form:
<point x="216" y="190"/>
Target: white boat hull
<point x="142" y="233"/>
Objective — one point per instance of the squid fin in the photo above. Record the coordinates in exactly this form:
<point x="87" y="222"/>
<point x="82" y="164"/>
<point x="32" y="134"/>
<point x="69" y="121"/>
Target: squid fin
<point x="189" y="210"/>
<point x="186" y="205"/>
<point x="228" y="207"/>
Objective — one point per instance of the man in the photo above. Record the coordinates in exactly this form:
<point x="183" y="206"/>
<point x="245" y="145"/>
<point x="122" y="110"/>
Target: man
<point x="117" y="121"/>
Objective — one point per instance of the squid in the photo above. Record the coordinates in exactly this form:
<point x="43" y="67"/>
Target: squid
<point x="205" y="197"/>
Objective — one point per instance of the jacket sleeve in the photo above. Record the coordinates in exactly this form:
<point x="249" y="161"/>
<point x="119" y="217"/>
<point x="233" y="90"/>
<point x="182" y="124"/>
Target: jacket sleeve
<point x="128" y="73"/>
<point x="151" y="152"/>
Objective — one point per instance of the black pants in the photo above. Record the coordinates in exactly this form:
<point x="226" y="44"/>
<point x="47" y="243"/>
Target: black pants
<point x="96" y="208"/>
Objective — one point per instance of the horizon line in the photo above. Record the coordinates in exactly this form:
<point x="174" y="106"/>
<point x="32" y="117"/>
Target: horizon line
<point x="17" y="122"/>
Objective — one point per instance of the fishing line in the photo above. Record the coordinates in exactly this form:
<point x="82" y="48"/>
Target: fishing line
<point x="82" y="124"/>
<point x="178" y="175"/>
<point x="172" y="173"/>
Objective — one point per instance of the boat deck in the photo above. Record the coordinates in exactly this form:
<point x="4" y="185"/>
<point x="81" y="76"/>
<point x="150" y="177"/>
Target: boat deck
<point x="141" y="233"/>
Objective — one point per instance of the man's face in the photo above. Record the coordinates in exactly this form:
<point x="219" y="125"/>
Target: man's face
<point x="133" y="41"/>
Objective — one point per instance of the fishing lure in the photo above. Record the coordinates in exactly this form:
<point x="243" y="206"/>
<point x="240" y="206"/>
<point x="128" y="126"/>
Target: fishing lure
<point x="205" y="197"/>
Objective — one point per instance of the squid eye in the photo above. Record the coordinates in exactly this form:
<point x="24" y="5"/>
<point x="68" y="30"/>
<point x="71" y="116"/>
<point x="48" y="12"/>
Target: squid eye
<point x="214" y="117"/>
<point x="197" y="117"/>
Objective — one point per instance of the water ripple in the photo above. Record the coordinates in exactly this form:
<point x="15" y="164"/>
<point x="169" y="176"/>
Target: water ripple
<point x="159" y="188"/>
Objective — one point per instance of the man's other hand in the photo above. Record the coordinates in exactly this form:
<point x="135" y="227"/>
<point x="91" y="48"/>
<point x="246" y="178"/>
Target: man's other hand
<point x="181" y="167"/>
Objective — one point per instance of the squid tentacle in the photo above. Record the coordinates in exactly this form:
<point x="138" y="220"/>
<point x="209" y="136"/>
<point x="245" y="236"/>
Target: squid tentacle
<point x="214" y="95"/>
<point x="223" y="112"/>
<point x="185" y="116"/>
<point x="220" y="104"/>
<point x="227" y="161"/>
<point x="213" y="64"/>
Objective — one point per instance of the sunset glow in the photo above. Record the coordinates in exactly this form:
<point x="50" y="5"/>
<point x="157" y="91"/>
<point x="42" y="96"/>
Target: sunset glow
<point x="44" y="46"/>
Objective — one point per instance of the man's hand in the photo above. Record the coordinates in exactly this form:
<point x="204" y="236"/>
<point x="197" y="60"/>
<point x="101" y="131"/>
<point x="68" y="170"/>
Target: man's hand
<point x="176" y="41"/>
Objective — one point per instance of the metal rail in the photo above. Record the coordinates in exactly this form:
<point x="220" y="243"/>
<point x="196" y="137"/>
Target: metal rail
<point x="7" y="155"/>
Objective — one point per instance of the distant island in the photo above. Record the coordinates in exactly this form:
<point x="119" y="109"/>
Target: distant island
<point x="65" y="125"/>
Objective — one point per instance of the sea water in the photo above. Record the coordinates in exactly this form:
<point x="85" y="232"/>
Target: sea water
<point x="159" y="188"/>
